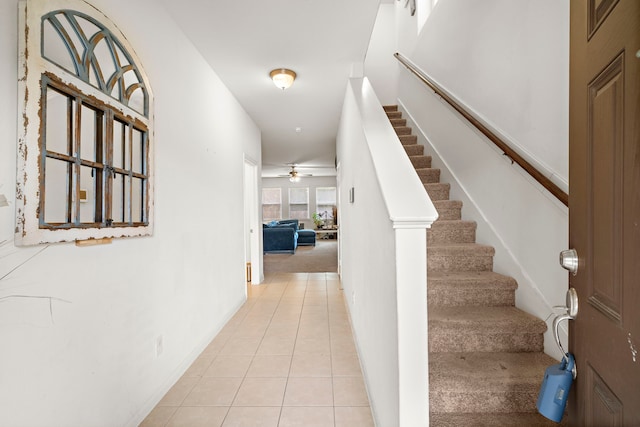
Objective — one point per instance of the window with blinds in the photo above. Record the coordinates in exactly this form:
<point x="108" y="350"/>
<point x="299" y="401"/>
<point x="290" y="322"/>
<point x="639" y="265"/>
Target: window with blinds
<point x="299" y="203"/>
<point x="325" y="201"/>
<point x="271" y="204"/>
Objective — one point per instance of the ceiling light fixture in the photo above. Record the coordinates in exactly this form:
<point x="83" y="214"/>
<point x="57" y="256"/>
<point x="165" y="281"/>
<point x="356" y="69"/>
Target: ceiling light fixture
<point x="282" y="77"/>
<point x="293" y="176"/>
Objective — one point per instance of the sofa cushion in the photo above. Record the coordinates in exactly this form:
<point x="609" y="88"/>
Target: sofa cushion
<point x="306" y="237"/>
<point x="280" y="237"/>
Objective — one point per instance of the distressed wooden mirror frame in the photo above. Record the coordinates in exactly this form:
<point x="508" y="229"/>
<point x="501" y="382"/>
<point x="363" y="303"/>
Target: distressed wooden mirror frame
<point x="85" y="128"/>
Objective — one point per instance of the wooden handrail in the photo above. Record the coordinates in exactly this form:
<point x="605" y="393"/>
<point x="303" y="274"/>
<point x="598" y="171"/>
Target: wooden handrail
<point x="506" y="149"/>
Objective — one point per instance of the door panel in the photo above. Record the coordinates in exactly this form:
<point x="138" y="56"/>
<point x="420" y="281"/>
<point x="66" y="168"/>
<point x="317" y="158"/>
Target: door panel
<point x="605" y="409"/>
<point x="604" y="210"/>
<point x="605" y="121"/>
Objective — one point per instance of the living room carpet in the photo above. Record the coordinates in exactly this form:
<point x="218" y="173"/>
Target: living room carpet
<point x="323" y="257"/>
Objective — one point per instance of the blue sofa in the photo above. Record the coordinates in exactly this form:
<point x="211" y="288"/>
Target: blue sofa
<point x="280" y="236"/>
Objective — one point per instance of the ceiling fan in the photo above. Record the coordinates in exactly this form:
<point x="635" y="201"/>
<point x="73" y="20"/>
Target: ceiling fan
<point x="294" y="175"/>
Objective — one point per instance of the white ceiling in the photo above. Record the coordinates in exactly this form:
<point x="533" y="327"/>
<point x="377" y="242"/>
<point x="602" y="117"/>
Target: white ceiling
<point x="319" y="39"/>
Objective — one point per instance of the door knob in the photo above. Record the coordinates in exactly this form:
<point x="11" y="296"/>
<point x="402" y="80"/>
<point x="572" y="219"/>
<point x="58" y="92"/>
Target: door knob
<point x="569" y="260"/>
<point x="572" y="302"/>
<point x="570" y="314"/>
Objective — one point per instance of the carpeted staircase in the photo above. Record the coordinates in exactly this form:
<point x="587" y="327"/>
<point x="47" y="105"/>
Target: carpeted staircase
<point x="486" y="359"/>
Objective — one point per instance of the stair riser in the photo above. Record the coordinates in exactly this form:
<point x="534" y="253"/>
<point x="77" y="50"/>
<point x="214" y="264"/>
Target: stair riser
<point x="449" y="214"/>
<point x="448" y="339"/>
<point x="429" y="176"/>
<point x="402" y="130"/>
<point x="408" y="139"/>
<point x="390" y="108"/>
<point x="414" y="150"/>
<point x="398" y="122"/>
<point x="451" y="235"/>
<point x="394" y="114"/>
<point x="420" y="161"/>
<point x="459" y="263"/>
<point x="451" y="297"/>
<point x="510" y="419"/>
<point x="438" y="191"/>
<point x="507" y="401"/>
<point x="448" y="211"/>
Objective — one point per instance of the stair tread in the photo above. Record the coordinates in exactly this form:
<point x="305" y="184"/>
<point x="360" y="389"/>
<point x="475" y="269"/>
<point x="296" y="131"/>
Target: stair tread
<point x="472" y="279"/>
<point x="487" y="371"/>
<point x="485" y="320"/>
<point x="525" y="419"/>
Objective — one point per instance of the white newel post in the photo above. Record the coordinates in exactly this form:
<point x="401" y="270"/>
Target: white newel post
<point x="413" y="354"/>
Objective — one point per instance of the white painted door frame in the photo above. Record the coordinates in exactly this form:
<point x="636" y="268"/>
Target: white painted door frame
<point x="252" y="219"/>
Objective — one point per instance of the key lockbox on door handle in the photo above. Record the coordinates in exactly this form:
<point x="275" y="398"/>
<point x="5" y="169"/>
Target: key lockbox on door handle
<point x="554" y="392"/>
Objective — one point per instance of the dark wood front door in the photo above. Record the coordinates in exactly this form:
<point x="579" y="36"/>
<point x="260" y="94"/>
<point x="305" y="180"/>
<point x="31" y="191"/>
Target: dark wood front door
<point x="604" y="211"/>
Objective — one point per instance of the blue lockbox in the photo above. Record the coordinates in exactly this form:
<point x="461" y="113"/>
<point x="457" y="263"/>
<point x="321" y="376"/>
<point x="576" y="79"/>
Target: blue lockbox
<point x="554" y="391"/>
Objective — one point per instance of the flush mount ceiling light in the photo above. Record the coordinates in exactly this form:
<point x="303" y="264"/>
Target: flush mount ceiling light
<point x="282" y="77"/>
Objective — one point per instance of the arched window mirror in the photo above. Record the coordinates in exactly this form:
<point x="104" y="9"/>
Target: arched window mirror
<point x="85" y="150"/>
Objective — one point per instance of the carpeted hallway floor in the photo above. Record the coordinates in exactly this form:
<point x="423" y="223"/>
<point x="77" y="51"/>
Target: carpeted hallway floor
<point x="323" y="257"/>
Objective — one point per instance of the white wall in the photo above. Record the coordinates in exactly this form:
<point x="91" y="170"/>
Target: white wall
<point x="367" y="240"/>
<point x="383" y="247"/>
<point x="87" y="356"/>
<point x="508" y="60"/>
<point x="380" y="66"/>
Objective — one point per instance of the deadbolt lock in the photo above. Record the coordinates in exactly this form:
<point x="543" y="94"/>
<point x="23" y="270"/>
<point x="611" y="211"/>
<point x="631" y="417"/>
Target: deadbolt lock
<point x="569" y="260"/>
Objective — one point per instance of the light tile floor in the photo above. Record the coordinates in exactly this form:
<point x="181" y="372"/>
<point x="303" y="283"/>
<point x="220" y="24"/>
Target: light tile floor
<point x="286" y="359"/>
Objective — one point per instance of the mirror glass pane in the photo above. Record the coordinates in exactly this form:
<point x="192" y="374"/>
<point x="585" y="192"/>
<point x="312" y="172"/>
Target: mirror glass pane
<point x="87" y="27"/>
<point x="115" y="92"/>
<point x="88" y="134"/>
<point x="136" y="200"/>
<point x="118" y="141"/>
<point x="93" y="76"/>
<point x="127" y="148"/>
<point x="57" y="126"/>
<point x="137" y="150"/>
<point x="105" y="60"/>
<point x="117" y="205"/>
<point x="55" y="49"/>
<point x="87" y="195"/>
<point x="127" y="199"/>
<point x="56" y="201"/>
<point x="76" y="43"/>
<point x="136" y="101"/>
<point x="121" y="56"/>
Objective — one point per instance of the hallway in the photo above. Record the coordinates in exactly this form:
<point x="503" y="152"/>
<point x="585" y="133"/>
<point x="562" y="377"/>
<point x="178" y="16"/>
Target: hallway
<point x="287" y="358"/>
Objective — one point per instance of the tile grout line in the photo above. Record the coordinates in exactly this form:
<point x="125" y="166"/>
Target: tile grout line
<point x="286" y="384"/>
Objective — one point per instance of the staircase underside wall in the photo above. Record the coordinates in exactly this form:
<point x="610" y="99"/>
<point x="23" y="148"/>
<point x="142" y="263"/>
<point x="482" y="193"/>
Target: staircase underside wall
<point x="526" y="225"/>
